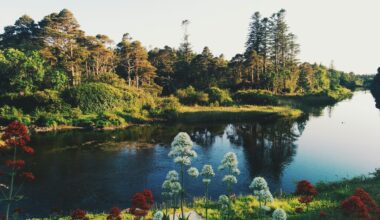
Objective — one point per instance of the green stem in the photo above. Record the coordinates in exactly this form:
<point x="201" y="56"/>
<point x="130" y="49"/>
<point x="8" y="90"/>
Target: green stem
<point x="182" y="192"/>
<point x="206" y="201"/>
<point x="10" y="196"/>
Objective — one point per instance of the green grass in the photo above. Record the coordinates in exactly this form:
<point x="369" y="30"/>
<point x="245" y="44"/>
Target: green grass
<point x="234" y="113"/>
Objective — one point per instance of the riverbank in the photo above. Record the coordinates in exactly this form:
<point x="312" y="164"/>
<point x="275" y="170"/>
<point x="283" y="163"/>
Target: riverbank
<point x="326" y="204"/>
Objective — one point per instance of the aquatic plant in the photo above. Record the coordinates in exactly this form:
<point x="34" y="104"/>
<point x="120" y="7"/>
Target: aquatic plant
<point x="229" y="164"/>
<point x="16" y="138"/>
<point x="207" y="173"/>
<point x="182" y="153"/>
<point x="279" y="214"/>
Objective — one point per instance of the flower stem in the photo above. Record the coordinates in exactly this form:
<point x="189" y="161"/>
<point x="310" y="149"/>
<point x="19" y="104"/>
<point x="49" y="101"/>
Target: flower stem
<point x="10" y="196"/>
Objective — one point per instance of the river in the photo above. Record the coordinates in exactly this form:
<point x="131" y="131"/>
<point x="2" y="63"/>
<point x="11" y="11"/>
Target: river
<point x="96" y="170"/>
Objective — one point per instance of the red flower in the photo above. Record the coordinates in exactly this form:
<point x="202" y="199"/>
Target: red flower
<point x="29" y="176"/>
<point x="15" y="163"/>
<point x="298" y="210"/>
<point x="305" y="188"/>
<point x="149" y="197"/>
<point x="28" y="150"/>
<point x="355" y="206"/>
<point x="322" y="214"/>
<point x="16" y="134"/>
<point x="114" y="214"/>
<point x="142" y="202"/>
<point x="306" y="199"/>
<point x="79" y="214"/>
<point x="368" y="201"/>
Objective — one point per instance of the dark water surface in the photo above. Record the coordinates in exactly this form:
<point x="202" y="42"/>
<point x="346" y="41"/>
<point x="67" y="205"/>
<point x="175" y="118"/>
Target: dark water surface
<point x="96" y="170"/>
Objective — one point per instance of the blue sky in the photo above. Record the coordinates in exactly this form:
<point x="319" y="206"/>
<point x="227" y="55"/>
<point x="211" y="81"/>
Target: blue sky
<point x="346" y="32"/>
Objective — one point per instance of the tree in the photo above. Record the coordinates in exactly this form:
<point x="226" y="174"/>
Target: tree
<point x="305" y="80"/>
<point x="62" y="43"/>
<point x="23" y="35"/>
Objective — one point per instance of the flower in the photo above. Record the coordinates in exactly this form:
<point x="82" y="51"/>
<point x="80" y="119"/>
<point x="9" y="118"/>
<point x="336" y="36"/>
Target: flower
<point x="264" y="195"/>
<point x="305" y="188"/>
<point x="15" y="163"/>
<point x="207" y="171"/>
<point x="172" y="175"/>
<point x="16" y="134"/>
<point x="279" y="214"/>
<point x="230" y="179"/>
<point x="149" y="196"/>
<point x="366" y="199"/>
<point x="230" y="162"/>
<point x="158" y="215"/>
<point x="353" y="205"/>
<point x="306" y="199"/>
<point x="114" y="214"/>
<point x="322" y="214"/>
<point x="79" y="214"/>
<point x="193" y="172"/>
<point x="224" y="201"/>
<point x="258" y="183"/>
<point x="181" y="149"/>
<point x="171" y="186"/>
<point x="142" y="200"/>
<point x="29" y="176"/>
<point x="28" y="150"/>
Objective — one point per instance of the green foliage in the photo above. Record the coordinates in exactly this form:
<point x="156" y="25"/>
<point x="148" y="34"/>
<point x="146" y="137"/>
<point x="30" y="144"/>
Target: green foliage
<point x="9" y="114"/>
<point x="255" y="97"/>
<point x="189" y="96"/>
<point x="167" y="107"/>
<point x="94" y="97"/>
<point x="219" y="96"/>
<point x="57" y="80"/>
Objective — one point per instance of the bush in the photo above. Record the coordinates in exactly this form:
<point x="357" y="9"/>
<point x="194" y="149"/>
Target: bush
<point x="255" y="97"/>
<point x="189" y="96"/>
<point x="48" y="119"/>
<point x="94" y="97"/>
<point x="167" y="107"/>
<point x="9" y="114"/>
<point x="219" y="96"/>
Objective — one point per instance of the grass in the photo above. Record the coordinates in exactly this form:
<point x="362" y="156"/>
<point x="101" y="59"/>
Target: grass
<point x="234" y="113"/>
<point x="329" y="198"/>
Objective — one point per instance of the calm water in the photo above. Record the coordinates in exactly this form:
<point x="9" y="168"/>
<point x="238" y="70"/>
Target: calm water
<point x="98" y="170"/>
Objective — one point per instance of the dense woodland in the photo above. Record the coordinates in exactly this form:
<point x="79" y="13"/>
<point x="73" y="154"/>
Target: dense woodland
<point x="51" y="70"/>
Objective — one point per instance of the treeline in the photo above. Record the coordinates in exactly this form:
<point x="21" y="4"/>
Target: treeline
<point x="375" y="88"/>
<point x="53" y="61"/>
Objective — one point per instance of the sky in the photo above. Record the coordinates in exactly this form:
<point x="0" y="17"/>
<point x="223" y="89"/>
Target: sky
<point x="345" y="32"/>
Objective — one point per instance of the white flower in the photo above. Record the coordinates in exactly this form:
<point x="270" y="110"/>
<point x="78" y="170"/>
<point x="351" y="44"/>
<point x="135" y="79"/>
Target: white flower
<point x="223" y="200"/>
<point x="176" y="187"/>
<point x="207" y="171"/>
<point x="193" y="172"/>
<point x="279" y="214"/>
<point x="181" y="150"/>
<point x="230" y="163"/>
<point x="264" y="195"/>
<point x="171" y="186"/>
<point x="172" y="175"/>
<point x="230" y="179"/>
<point x="258" y="183"/>
<point x="158" y="215"/>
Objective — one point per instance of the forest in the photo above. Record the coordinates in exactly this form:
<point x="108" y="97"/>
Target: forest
<point x="52" y="73"/>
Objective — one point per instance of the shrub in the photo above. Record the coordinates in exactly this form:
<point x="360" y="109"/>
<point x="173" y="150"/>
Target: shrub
<point x="305" y="188"/>
<point x="94" y="97"/>
<point x="167" y="107"/>
<point x="47" y="119"/>
<point x="354" y="206"/>
<point x="9" y="114"/>
<point x="189" y="96"/>
<point x="255" y="97"/>
<point x="219" y="96"/>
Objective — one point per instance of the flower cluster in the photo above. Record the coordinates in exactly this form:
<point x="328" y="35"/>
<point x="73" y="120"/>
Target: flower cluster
<point x="16" y="134"/>
<point x="279" y="214"/>
<point x="28" y="176"/>
<point x="142" y="202"/>
<point x="361" y="204"/>
<point x="171" y="185"/>
<point x="207" y="173"/>
<point x="79" y="214"/>
<point x="114" y="214"/>
<point x="229" y="179"/>
<point x="15" y="163"/>
<point x="230" y="163"/>
<point x="181" y="150"/>
<point x="193" y="172"/>
<point x="261" y="190"/>
<point x="224" y="202"/>
<point x="158" y="215"/>
<point x="305" y="188"/>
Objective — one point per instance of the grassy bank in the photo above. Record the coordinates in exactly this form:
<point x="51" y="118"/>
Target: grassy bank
<point x="328" y="201"/>
<point x="234" y="113"/>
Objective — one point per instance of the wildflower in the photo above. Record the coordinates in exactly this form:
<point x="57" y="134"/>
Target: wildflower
<point x="16" y="134"/>
<point x="305" y="188"/>
<point x="193" y="172"/>
<point x="355" y="206"/>
<point x="264" y="195"/>
<point x="114" y="214"/>
<point x="172" y="175"/>
<point x="149" y="197"/>
<point x="142" y="200"/>
<point x="79" y="214"/>
<point x="298" y="209"/>
<point x="29" y="176"/>
<point x="158" y="215"/>
<point x="224" y="201"/>
<point x="230" y="162"/>
<point x="230" y="179"/>
<point x="366" y="199"/>
<point x="258" y="183"/>
<point x="305" y="199"/>
<point x="181" y="149"/>
<point x="279" y="214"/>
<point x="28" y="150"/>
<point x="207" y="171"/>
